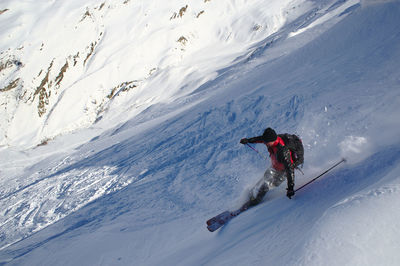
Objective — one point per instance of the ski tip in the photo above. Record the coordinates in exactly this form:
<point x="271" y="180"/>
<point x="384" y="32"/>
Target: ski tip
<point x="210" y="229"/>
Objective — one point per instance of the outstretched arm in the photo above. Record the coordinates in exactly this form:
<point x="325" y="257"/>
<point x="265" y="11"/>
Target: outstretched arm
<point x="258" y="139"/>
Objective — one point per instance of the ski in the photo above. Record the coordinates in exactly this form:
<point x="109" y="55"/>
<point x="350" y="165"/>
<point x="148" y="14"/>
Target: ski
<point x="218" y="221"/>
<point x="223" y="218"/>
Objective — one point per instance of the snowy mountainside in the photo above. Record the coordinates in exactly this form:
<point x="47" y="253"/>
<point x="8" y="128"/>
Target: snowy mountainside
<point x="69" y="64"/>
<point x="138" y="192"/>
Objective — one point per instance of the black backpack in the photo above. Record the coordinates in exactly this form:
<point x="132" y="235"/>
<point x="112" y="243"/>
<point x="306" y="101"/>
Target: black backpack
<point x="295" y="145"/>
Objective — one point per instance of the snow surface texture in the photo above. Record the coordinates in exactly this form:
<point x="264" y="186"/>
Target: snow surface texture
<point x="155" y="122"/>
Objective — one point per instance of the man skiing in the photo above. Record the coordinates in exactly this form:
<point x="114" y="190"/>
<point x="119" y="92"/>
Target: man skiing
<point x="287" y="153"/>
<point x="282" y="167"/>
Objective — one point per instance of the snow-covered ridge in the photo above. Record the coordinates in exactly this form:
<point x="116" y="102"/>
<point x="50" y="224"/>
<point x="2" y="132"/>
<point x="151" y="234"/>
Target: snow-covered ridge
<point x="66" y="64"/>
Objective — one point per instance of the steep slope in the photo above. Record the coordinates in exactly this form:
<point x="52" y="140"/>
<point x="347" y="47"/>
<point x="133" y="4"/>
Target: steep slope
<point x="334" y="81"/>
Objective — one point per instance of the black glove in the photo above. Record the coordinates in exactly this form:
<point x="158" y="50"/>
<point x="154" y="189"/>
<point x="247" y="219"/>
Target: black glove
<point x="244" y="141"/>
<point x="290" y="192"/>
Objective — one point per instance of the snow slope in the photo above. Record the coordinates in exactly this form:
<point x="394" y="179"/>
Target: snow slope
<point x="138" y="189"/>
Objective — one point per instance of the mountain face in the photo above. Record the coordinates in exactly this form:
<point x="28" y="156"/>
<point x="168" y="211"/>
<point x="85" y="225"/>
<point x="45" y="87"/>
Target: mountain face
<point x="121" y="123"/>
<point x="67" y="65"/>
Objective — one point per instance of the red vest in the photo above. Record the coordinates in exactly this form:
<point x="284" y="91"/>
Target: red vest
<point x="273" y="150"/>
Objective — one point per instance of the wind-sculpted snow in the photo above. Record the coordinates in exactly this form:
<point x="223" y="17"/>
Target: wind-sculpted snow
<point x="362" y="228"/>
<point x="137" y="191"/>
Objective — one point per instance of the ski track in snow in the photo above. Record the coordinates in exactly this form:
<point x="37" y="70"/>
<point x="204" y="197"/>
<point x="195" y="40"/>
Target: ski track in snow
<point x="140" y="192"/>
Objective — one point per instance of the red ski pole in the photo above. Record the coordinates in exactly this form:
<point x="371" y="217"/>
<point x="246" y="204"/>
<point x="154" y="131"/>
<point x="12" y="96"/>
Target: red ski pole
<point x="251" y="147"/>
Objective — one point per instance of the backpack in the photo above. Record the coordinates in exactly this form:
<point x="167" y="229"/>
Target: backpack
<point x="295" y="145"/>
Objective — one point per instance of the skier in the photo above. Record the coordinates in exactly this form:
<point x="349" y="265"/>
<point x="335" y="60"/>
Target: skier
<point x="287" y="153"/>
<point x="282" y="167"/>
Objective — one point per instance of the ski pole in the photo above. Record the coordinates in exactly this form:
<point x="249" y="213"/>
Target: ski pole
<point x="341" y="161"/>
<point x="251" y="147"/>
